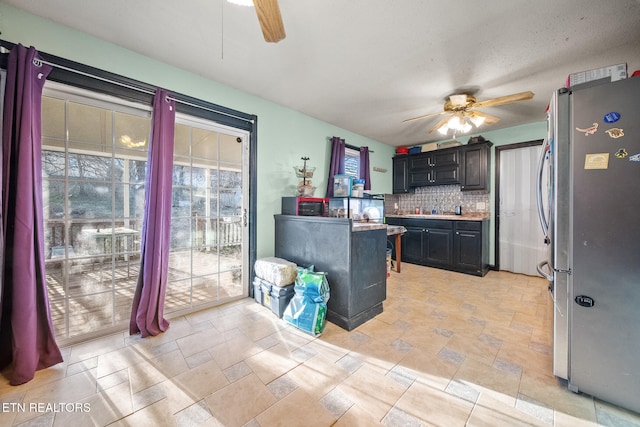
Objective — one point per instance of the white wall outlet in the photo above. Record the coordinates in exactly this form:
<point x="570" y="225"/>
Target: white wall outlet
<point x="481" y="206"/>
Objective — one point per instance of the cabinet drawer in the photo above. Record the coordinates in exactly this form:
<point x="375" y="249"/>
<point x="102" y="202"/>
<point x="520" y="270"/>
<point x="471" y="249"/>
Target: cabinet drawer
<point x="469" y="225"/>
<point x="428" y="223"/>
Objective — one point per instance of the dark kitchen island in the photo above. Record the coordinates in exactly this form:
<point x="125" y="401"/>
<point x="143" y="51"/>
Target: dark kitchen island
<point x="352" y="254"/>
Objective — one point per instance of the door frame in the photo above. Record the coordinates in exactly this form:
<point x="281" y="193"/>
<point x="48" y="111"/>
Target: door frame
<point x="496" y="207"/>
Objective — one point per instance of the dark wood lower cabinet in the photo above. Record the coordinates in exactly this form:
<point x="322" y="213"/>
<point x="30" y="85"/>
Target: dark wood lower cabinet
<point x="439" y="246"/>
<point x="459" y="245"/>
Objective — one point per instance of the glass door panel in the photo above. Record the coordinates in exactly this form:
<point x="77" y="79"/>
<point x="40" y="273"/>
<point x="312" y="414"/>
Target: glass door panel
<point x="94" y="173"/>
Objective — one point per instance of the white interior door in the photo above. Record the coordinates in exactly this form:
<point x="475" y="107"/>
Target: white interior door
<point x="521" y="242"/>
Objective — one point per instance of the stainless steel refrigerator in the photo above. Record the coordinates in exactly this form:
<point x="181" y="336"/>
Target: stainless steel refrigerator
<point x="590" y="212"/>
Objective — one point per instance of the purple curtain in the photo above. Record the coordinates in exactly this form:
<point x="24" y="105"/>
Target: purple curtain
<point x="365" y="172"/>
<point x="26" y="332"/>
<point x="336" y="167"/>
<point x="147" y="314"/>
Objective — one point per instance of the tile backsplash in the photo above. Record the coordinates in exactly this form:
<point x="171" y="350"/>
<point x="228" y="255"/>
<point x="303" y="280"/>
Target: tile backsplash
<point x="442" y="198"/>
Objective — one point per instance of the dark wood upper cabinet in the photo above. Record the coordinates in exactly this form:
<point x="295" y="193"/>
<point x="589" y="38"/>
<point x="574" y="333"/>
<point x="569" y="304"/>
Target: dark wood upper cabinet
<point x="467" y="165"/>
<point x="474" y="166"/>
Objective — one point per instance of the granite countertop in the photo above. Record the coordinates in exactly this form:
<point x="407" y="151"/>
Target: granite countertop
<point x="363" y="226"/>
<point x="391" y="229"/>
<point x="463" y="217"/>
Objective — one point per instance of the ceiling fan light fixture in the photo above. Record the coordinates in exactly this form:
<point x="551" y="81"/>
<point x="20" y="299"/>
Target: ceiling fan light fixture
<point x="466" y="127"/>
<point x="477" y="121"/>
<point x="242" y="2"/>
<point x="454" y="122"/>
<point x="458" y="100"/>
<point x="444" y="129"/>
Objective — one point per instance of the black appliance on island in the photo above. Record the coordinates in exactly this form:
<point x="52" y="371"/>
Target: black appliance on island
<point x="305" y="206"/>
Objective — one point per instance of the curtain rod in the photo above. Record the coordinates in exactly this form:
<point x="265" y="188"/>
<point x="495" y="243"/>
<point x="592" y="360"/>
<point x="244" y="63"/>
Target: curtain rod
<point x="353" y="147"/>
<point x="38" y="63"/>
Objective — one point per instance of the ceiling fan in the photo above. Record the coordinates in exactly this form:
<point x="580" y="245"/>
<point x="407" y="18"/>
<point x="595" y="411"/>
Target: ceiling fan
<point x="269" y="17"/>
<point x="462" y="109"/>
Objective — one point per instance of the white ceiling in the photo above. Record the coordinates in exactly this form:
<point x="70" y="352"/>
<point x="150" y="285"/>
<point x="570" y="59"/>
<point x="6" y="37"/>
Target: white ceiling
<point x="366" y="65"/>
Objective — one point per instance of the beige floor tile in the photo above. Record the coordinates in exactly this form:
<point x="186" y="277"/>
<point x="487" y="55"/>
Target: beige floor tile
<point x="488" y="379"/>
<point x="474" y="348"/>
<point x="179" y="328"/>
<point x="429" y="368"/>
<point x="100" y="409"/>
<point x="372" y="390"/>
<point x="340" y="338"/>
<point x="296" y="409"/>
<point x="357" y="417"/>
<point x="117" y="360"/>
<point x="566" y="420"/>
<point x="96" y="347"/>
<point x="545" y="388"/>
<point x="508" y="334"/>
<point x="233" y="351"/>
<point x="66" y="390"/>
<point x="143" y="375"/>
<point x="156" y="415"/>
<point x="384" y="332"/>
<point x="491" y="396"/>
<point x="271" y="363"/>
<point x="317" y="376"/>
<point x="525" y="356"/>
<point x="433" y="406"/>
<point x="429" y="339"/>
<point x="201" y="381"/>
<point x="179" y="397"/>
<point x="291" y="338"/>
<point x="381" y="355"/>
<point x="496" y="413"/>
<point x="170" y="364"/>
<point x="10" y="403"/>
<point x="228" y="406"/>
<point x="327" y="350"/>
<point x="200" y="341"/>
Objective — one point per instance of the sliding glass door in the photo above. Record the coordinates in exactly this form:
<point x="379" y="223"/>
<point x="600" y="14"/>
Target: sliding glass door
<point x="94" y="168"/>
<point x="207" y="261"/>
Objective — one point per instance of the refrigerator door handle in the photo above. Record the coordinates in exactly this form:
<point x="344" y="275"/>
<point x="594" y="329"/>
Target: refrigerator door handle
<point x="544" y="221"/>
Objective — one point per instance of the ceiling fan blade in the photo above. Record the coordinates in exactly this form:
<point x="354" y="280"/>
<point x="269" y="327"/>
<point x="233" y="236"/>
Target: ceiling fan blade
<point x="270" y="19"/>
<point x="439" y="124"/>
<point x="504" y="100"/>
<point x="488" y="118"/>
<point x="424" y="117"/>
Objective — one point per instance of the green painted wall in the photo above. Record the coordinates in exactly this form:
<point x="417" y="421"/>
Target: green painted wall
<point x="284" y="135"/>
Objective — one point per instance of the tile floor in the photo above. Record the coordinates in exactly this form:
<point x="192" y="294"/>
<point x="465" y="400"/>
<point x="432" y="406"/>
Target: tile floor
<point x="448" y="350"/>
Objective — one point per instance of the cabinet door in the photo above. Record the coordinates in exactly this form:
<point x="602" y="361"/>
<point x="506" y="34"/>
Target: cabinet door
<point x="420" y="178"/>
<point x="412" y="245"/>
<point x="474" y="168"/>
<point x="468" y="250"/>
<point x="420" y="161"/>
<point x="400" y="175"/>
<point x="447" y="157"/>
<point x="439" y="247"/>
<point x="445" y="175"/>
